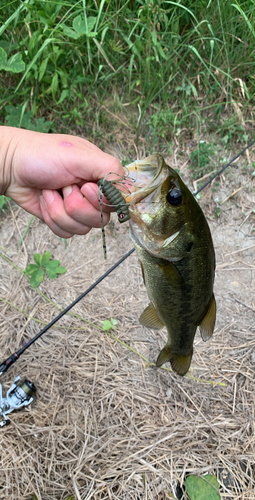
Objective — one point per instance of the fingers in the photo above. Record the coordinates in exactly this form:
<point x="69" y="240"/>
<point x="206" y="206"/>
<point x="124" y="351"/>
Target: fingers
<point x="91" y="164"/>
<point x="80" y="208"/>
<point x="70" y="215"/>
<point x="55" y="228"/>
<point x="90" y="192"/>
<point x="42" y="164"/>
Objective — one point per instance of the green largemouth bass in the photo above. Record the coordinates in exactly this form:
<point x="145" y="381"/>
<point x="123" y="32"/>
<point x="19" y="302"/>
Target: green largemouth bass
<point x="174" y="246"/>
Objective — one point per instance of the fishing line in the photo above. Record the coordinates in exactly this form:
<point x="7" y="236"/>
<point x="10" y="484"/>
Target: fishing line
<point x="102" y="222"/>
<point x="9" y="361"/>
<point x="115" y="199"/>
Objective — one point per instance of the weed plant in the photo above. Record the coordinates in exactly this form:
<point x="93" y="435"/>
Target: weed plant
<point x="164" y="66"/>
<point x="200" y="158"/>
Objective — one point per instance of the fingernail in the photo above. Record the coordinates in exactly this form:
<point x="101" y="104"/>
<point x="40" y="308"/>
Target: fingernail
<point x="48" y="196"/>
<point x="89" y="192"/>
<point x="67" y="190"/>
<point x="42" y="202"/>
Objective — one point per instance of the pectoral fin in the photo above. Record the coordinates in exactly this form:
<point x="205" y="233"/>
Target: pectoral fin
<point x="142" y="272"/>
<point x="172" y="275"/>
<point x="180" y="364"/>
<point x="207" y="324"/>
<point x="150" y="319"/>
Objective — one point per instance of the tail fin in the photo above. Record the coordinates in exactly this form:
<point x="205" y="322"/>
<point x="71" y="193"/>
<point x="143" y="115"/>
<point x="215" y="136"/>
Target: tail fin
<point x="180" y="364"/>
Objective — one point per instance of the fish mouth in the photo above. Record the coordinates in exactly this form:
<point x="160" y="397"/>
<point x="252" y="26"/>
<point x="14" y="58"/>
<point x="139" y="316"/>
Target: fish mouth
<point x="145" y="179"/>
<point x="144" y="176"/>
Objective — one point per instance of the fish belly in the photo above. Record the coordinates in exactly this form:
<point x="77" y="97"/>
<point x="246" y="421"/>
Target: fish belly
<point x="170" y="298"/>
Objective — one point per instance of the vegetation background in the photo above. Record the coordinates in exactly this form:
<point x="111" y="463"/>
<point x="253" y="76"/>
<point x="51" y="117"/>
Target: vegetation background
<point x="141" y="75"/>
<point x="149" y="70"/>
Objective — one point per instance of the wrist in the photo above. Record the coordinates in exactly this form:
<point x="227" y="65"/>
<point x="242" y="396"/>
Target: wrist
<point x="7" y="150"/>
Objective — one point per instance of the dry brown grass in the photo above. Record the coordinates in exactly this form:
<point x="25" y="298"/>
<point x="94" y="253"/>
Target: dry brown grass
<point x="105" y="424"/>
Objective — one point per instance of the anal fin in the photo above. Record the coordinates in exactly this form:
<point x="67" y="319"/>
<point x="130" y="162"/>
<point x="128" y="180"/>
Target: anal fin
<point x="149" y="318"/>
<point x="180" y="364"/>
<point x="207" y="324"/>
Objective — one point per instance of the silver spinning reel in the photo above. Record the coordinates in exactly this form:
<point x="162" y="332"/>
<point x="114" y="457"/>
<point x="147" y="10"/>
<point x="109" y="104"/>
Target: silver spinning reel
<point x="19" y="395"/>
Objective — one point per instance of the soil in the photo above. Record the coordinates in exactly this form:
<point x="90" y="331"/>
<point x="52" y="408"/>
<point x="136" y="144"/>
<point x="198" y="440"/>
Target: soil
<point x="105" y="423"/>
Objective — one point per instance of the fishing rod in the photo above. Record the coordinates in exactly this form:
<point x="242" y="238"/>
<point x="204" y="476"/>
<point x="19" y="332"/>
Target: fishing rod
<point x="21" y="394"/>
<point x="9" y="361"/>
<point x="224" y="168"/>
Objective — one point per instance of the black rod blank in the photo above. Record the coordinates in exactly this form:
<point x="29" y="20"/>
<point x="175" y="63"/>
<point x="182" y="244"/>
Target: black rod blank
<point x="8" y="362"/>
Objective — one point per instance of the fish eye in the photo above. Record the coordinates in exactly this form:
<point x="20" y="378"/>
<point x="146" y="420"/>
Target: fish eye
<point x="174" y="197"/>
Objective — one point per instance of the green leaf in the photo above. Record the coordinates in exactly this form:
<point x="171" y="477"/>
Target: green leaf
<point x="42" y="126"/>
<point x="162" y="53"/>
<point x="37" y="278"/>
<point x="91" y="21"/>
<point x="53" y="264"/>
<point x="31" y="269"/>
<point x="26" y="121"/>
<point x="79" y="25"/>
<point x="16" y="117"/>
<point x="3" y="58"/>
<point x="64" y="94"/>
<point x="154" y="37"/>
<point x="83" y="27"/>
<point x="51" y="272"/>
<point x="114" y="322"/>
<point x="42" y="68"/>
<point x="60" y="270"/>
<point x="107" y="325"/>
<point x="202" y="488"/>
<point x="13" y="115"/>
<point x="54" y="85"/>
<point x="69" y="32"/>
<point x="3" y="200"/>
<point x="38" y="258"/>
<point x="15" y="64"/>
<point x="45" y="259"/>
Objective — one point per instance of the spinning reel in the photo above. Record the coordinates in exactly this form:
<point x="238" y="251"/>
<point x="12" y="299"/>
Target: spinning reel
<point x="19" y="395"/>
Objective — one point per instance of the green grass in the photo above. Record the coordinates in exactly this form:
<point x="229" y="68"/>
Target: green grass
<point x="161" y="67"/>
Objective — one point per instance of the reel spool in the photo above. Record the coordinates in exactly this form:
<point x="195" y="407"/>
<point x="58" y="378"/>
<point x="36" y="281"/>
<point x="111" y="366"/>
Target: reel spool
<point x="19" y="395"/>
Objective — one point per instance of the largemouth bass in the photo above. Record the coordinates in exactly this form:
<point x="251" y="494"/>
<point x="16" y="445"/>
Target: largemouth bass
<point x="174" y="246"/>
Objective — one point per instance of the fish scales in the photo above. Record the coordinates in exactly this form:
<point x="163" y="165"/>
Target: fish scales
<point x="174" y="245"/>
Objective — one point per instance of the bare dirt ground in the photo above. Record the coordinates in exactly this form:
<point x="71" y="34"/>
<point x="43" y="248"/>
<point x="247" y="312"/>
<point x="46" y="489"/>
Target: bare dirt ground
<point x="106" y="424"/>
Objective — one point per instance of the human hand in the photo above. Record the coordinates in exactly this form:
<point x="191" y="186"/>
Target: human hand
<point x="34" y="167"/>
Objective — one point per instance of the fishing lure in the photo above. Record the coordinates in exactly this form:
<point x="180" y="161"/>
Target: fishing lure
<point x="115" y="198"/>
